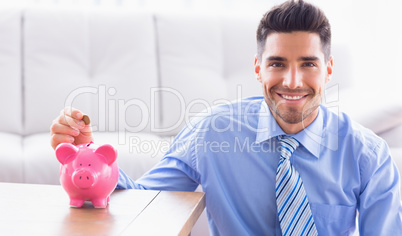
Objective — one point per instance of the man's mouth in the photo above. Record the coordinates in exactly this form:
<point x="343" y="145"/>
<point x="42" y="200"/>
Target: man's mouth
<point x="292" y="98"/>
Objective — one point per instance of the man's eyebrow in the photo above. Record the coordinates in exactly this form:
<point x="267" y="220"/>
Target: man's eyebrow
<point x="307" y="58"/>
<point x="311" y="58"/>
<point x="276" y="58"/>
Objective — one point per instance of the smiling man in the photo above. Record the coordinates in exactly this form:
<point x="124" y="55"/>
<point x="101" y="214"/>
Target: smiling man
<point x="281" y="164"/>
<point x="293" y="71"/>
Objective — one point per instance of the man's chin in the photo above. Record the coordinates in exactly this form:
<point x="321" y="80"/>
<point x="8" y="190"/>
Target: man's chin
<point x="295" y="117"/>
<point x="290" y="119"/>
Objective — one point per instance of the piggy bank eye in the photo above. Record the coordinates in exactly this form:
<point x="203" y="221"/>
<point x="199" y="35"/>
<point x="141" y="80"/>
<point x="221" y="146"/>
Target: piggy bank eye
<point x="89" y="164"/>
<point x="80" y="164"/>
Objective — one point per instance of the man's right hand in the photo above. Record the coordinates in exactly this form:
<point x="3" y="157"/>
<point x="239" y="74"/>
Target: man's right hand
<point x="69" y="127"/>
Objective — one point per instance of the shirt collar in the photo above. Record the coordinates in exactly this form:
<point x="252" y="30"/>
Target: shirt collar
<point x="311" y="137"/>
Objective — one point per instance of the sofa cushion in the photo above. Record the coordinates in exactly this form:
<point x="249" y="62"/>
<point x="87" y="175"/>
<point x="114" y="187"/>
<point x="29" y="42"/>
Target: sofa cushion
<point x="97" y="61"/>
<point x="123" y="57"/>
<point x="378" y="113"/>
<point x="393" y="136"/>
<point x="191" y="66"/>
<point x="11" y="158"/>
<point x="40" y="163"/>
<point x="239" y="50"/>
<point x="56" y="63"/>
<point x="10" y="71"/>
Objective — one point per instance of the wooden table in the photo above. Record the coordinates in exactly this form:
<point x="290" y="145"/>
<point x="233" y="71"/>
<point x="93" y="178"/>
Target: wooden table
<point x="28" y="209"/>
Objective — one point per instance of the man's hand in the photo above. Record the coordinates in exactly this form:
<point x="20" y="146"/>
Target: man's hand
<point x="69" y="127"/>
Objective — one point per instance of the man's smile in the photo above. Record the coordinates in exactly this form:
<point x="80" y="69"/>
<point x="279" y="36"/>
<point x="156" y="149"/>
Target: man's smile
<point x="292" y="97"/>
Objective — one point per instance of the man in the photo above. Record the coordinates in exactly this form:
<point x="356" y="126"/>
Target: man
<point x="245" y="155"/>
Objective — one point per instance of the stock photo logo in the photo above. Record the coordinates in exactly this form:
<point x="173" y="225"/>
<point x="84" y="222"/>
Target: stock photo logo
<point x="130" y="116"/>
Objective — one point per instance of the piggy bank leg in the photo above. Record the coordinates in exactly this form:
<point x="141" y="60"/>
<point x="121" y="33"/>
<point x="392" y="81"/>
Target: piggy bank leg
<point x="76" y="202"/>
<point x="100" y="202"/>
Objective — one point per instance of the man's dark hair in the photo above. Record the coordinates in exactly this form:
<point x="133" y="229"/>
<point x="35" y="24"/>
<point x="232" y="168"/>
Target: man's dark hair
<point x="293" y="16"/>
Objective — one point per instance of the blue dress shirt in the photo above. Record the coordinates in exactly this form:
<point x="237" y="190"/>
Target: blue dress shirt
<point x="233" y="153"/>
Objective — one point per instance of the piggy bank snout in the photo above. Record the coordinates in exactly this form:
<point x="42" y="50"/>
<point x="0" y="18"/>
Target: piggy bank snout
<point x="84" y="178"/>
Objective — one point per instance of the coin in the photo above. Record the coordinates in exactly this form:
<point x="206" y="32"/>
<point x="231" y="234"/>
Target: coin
<point x="86" y="119"/>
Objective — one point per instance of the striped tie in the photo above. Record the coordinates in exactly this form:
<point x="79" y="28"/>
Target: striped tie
<point x="293" y="208"/>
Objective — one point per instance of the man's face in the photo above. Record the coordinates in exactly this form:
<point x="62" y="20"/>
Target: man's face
<point x="293" y="72"/>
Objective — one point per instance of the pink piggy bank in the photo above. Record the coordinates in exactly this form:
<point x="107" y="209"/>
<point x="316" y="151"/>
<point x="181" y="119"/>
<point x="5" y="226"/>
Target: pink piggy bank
<point x="88" y="173"/>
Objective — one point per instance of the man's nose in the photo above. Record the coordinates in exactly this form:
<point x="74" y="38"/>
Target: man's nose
<point x="293" y="79"/>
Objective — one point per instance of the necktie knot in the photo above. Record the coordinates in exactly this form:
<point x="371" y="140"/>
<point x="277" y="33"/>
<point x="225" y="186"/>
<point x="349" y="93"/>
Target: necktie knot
<point x="288" y="146"/>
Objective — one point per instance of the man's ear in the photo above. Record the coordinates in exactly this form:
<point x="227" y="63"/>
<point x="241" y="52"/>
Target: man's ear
<point x="257" y="68"/>
<point x="330" y="65"/>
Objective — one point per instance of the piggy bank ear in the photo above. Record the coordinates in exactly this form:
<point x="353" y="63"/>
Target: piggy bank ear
<point x="108" y="152"/>
<point x="65" y="152"/>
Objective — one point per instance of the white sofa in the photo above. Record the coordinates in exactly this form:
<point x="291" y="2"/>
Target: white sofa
<point x="139" y="76"/>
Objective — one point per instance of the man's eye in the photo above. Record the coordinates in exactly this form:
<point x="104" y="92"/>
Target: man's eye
<point x="276" y="64"/>
<point x="308" y="64"/>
